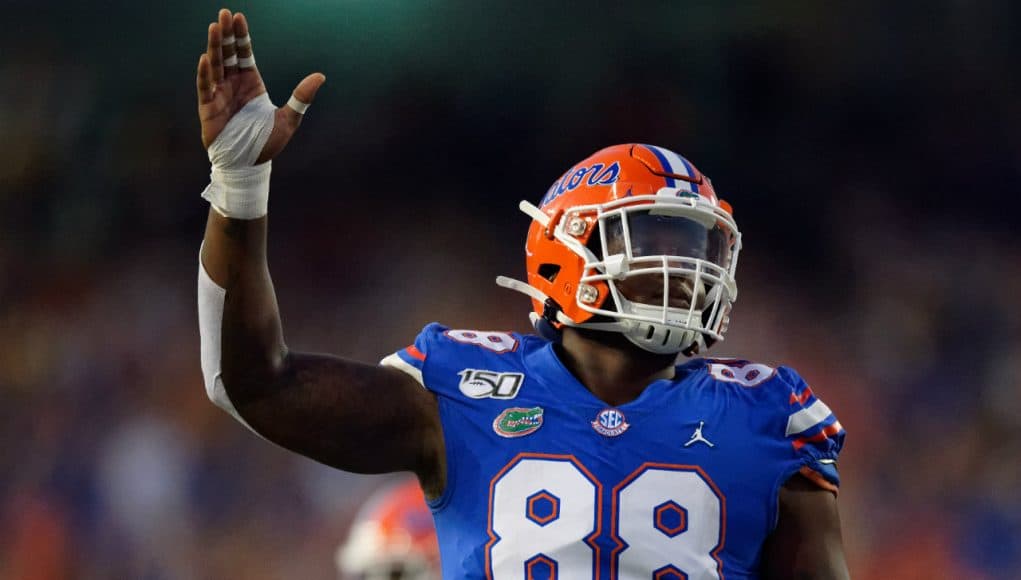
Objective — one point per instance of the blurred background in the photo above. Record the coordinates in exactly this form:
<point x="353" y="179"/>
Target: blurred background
<point x="872" y="152"/>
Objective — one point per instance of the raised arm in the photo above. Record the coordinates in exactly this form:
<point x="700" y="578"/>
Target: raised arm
<point x="354" y="416"/>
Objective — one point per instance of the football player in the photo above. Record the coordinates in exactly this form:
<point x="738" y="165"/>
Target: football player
<point x="392" y="538"/>
<point x="581" y="451"/>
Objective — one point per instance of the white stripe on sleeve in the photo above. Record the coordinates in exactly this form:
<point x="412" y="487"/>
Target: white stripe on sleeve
<point x="808" y="417"/>
<point x="400" y="364"/>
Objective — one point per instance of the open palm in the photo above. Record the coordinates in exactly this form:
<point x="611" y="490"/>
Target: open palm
<point x="223" y="88"/>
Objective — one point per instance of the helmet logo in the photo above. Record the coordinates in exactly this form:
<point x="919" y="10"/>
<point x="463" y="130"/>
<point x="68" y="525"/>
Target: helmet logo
<point x="598" y="174"/>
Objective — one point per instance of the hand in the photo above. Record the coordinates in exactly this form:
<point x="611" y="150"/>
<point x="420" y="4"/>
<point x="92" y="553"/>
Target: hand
<point x="224" y="90"/>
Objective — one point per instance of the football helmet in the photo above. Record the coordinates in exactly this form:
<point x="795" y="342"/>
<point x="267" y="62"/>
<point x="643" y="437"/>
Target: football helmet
<point x="633" y="240"/>
<point x="393" y="536"/>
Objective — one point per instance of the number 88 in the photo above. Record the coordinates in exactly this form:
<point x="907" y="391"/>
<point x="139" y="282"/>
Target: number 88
<point x="545" y="512"/>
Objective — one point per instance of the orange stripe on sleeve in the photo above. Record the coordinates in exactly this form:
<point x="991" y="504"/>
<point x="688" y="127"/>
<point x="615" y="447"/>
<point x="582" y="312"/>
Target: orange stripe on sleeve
<point x="829" y="431"/>
<point x="415" y="353"/>
<point x="813" y="476"/>
<point x="803" y="397"/>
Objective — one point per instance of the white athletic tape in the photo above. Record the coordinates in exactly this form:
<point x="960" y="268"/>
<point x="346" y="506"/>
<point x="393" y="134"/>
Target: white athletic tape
<point x="238" y="188"/>
<point x="211" y="300"/>
<point x="227" y="40"/>
<point x="246" y="61"/>
<point x="231" y="60"/>
<point x="244" y="41"/>
<point x="297" y="105"/>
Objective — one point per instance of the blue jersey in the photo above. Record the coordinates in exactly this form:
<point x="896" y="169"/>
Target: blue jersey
<point x="544" y="480"/>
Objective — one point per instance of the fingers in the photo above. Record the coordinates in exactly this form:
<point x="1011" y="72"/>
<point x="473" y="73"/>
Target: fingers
<point x="204" y="80"/>
<point x="246" y="58"/>
<point x="303" y="94"/>
<point x="215" y="53"/>
<point x="226" y="23"/>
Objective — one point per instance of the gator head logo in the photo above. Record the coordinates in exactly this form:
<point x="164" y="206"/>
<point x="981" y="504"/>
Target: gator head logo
<point x="518" y="421"/>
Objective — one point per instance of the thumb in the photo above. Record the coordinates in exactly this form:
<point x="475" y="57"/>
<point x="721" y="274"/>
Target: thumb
<point x="308" y="87"/>
<point x="305" y="92"/>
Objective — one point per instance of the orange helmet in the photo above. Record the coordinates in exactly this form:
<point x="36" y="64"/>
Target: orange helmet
<point x="392" y="537"/>
<point x="631" y="215"/>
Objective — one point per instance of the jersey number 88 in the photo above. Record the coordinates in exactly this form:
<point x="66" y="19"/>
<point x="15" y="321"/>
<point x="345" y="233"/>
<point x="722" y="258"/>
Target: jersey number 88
<point x="546" y="514"/>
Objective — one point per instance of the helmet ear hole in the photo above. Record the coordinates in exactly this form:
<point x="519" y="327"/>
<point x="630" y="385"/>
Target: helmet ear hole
<point x="549" y="271"/>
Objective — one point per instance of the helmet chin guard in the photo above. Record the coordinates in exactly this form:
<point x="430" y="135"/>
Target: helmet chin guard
<point x="633" y="240"/>
<point x="661" y="338"/>
<point x="679" y="334"/>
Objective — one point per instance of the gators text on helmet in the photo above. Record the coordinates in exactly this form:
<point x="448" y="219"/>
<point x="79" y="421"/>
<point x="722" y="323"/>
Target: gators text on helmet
<point x="633" y="240"/>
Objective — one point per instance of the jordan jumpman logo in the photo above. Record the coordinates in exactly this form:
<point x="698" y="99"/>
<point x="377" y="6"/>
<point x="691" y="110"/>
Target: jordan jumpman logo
<point x="697" y="437"/>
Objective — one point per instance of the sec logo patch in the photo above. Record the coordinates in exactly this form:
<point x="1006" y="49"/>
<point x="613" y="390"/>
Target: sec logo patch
<point x="610" y="422"/>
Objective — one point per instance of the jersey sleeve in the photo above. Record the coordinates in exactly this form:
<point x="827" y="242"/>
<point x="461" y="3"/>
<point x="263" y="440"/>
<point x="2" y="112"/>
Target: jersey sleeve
<point x="412" y="358"/>
<point x="462" y="363"/>
<point x="812" y="430"/>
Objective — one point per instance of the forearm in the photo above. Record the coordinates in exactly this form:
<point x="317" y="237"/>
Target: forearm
<point x="252" y="346"/>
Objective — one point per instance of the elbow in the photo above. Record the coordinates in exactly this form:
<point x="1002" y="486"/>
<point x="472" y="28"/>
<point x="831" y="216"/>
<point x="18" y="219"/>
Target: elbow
<point x="229" y="399"/>
<point x="238" y="390"/>
<point x="216" y="391"/>
<point x="246" y="378"/>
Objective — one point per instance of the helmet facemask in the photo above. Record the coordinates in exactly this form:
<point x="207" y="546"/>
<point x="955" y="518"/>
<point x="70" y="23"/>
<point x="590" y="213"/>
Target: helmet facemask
<point x="668" y="261"/>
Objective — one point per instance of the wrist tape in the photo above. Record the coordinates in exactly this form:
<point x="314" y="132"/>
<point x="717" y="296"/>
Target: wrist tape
<point x="238" y="188"/>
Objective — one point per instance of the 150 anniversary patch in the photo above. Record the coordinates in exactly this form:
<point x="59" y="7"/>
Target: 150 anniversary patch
<point x="480" y="384"/>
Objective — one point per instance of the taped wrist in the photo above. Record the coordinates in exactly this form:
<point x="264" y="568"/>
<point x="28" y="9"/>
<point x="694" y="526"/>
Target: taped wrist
<point x="237" y="187"/>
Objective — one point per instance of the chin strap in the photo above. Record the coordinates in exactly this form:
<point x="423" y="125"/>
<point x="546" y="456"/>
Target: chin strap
<point x="519" y="286"/>
<point x="537" y="321"/>
<point x="535" y="213"/>
<point x="607" y="326"/>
